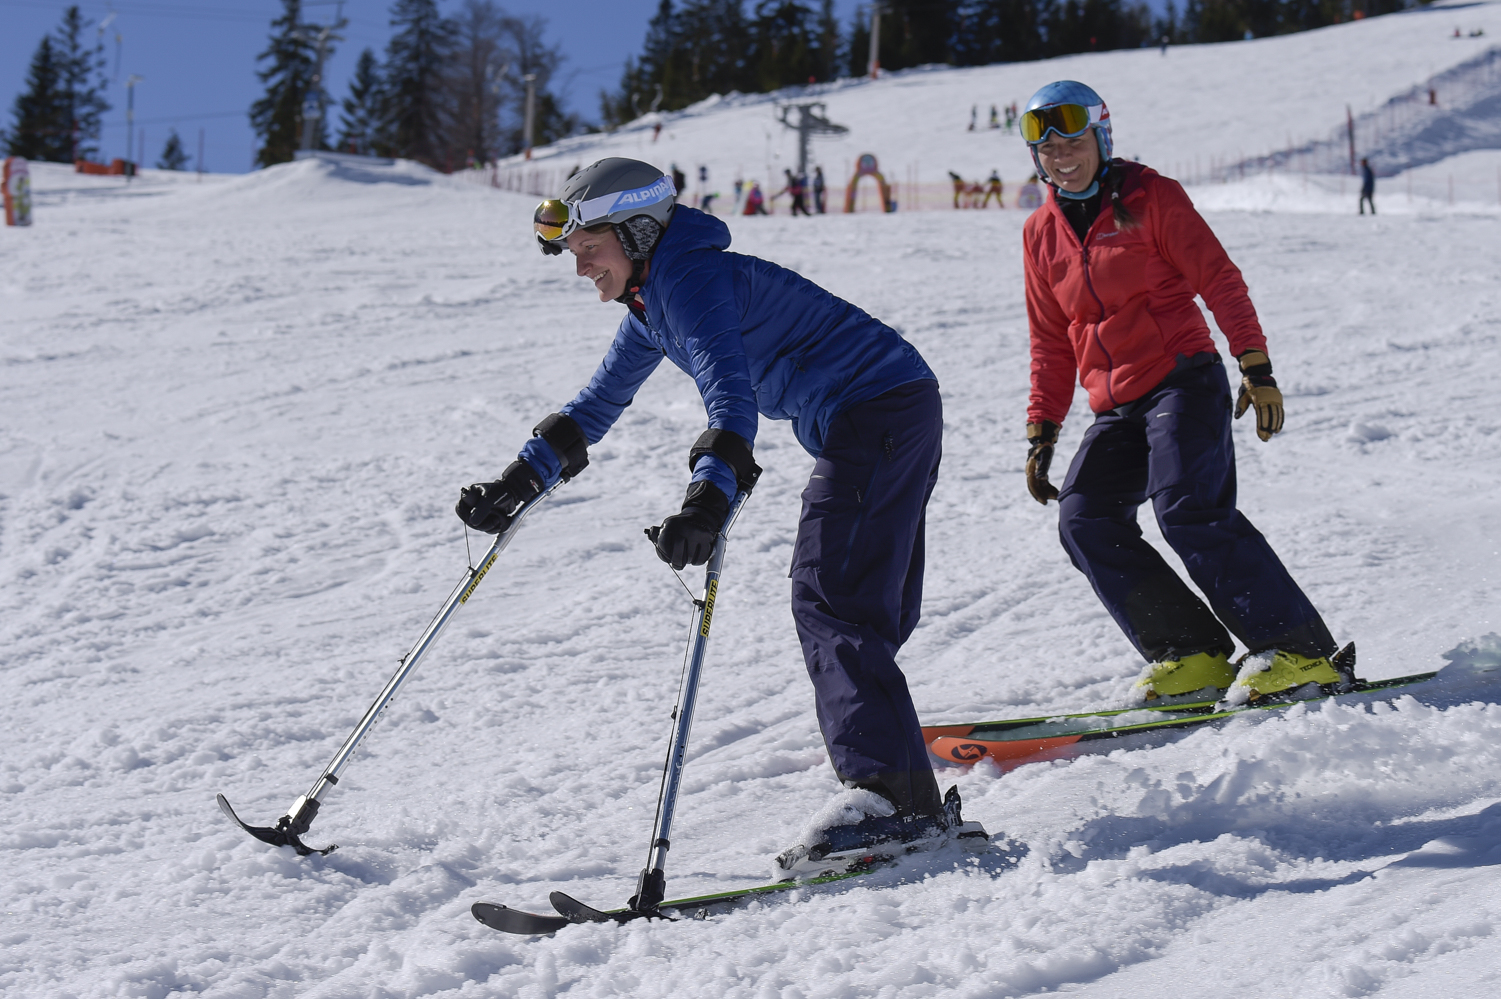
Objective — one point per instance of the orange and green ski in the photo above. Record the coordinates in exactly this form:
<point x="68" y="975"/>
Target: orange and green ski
<point x="1012" y="742"/>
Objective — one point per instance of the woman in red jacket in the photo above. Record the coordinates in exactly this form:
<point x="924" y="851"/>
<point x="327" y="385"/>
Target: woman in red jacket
<point x="1113" y="262"/>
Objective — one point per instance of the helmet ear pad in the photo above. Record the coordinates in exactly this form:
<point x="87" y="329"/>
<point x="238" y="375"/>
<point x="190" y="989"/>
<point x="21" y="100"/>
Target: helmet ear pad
<point x="638" y="236"/>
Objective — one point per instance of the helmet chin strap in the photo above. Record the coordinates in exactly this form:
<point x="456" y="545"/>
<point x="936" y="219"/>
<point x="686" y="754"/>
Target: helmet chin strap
<point x="633" y="285"/>
<point x="1084" y="195"/>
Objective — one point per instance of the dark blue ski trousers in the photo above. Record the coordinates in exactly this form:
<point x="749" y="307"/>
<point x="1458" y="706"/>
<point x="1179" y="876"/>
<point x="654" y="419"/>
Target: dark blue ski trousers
<point x="857" y="572"/>
<point x="1173" y="446"/>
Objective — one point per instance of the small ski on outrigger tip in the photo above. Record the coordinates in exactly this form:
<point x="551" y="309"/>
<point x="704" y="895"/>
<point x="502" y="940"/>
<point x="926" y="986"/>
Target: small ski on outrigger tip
<point x="1017" y="740"/>
<point x="294" y="824"/>
<point x="571" y="910"/>
<point x="649" y="900"/>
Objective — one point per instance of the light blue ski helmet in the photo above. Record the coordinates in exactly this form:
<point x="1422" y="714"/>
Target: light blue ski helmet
<point x="1068" y="92"/>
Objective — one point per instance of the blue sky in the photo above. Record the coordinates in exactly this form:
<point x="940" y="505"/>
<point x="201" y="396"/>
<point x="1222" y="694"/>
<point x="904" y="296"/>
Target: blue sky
<point x="198" y="59"/>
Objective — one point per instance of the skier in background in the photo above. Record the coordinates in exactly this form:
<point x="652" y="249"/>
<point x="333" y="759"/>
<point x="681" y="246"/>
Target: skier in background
<point x="995" y="117"/>
<point x="1113" y="262"/>
<point x="755" y="201"/>
<point x="960" y="187"/>
<point x="1029" y="198"/>
<point x="755" y="336"/>
<point x="797" y="187"/>
<point x="819" y="190"/>
<point x="1367" y="186"/>
<point x="995" y="187"/>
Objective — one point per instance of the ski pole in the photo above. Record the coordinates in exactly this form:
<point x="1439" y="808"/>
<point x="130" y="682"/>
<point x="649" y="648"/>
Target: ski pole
<point x="652" y="887"/>
<point x="295" y="823"/>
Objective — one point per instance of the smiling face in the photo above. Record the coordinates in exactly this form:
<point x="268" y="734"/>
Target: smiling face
<point x="599" y="257"/>
<point x="1071" y="163"/>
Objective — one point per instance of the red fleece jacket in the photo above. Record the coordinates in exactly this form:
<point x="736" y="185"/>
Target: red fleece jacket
<point x="1120" y="308"/>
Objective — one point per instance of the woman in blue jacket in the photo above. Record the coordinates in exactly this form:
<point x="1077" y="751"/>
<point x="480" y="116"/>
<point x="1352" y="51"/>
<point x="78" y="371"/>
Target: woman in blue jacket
<point x="759" y="339"/>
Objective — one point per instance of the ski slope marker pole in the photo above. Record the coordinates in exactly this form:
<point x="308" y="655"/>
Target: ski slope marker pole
<point x="652" y="887"/>
<point x="295" y="823"/>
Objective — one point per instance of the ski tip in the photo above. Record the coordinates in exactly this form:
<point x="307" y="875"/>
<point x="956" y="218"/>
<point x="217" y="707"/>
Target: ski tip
<point x="508" y="920"/>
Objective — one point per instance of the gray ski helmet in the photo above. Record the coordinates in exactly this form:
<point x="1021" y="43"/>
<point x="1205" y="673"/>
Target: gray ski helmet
<point x="626" y="193"/>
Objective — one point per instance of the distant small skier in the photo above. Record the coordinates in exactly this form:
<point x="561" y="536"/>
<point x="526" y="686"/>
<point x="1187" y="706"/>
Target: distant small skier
<point x="1367" y="186"/>
<point x="1113" y="263"/>
<point x="820" y="191"/>
<point x="995" y="117"/>
<point x="974" y="114"/>
<point x="755" y="201"/>
<point x="760" y="340"/>
<point x="993" y="186"/>
<point x="961" y="187"/>
<point x="797" y="187"/>
<point x="1029" y="198"/>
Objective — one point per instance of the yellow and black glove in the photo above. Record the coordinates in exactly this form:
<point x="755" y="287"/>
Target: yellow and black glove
<point x="1258" y="388"/>
<point x="1041" y="437"/>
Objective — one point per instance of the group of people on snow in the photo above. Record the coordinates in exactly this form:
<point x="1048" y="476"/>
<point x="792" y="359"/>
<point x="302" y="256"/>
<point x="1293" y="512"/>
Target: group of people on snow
<point x="751" y="200"/>
<point x="1113" y="262"/>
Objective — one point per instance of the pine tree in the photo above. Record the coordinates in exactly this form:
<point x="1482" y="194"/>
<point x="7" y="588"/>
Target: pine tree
<point x="37" y="131"/>
<point x="57" y="117"/>
<point x="359" y="125"/>
<point x="412" y="113"/>
<point x="277" y="117"/>
<point x="474" y="81"/>
<point x="528" y="53"/>
<point x="173" y="157"/>
<point x="81" y="83"/>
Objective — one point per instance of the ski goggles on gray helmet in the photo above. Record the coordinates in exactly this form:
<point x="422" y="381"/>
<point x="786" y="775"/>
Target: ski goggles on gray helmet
<point x="555" y="220"/>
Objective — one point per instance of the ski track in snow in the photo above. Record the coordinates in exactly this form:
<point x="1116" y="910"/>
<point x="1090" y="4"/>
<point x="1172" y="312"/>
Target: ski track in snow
<point x="237" y="416"/>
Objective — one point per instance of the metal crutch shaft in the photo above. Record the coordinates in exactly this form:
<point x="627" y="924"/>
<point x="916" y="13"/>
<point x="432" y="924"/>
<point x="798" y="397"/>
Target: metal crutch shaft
<point x="299" y="817"/>
<point x="651" y="888"/>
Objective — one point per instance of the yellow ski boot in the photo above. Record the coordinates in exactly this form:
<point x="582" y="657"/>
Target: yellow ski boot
<point x="1276" y="671"/>
<point x="1209" y="672"/>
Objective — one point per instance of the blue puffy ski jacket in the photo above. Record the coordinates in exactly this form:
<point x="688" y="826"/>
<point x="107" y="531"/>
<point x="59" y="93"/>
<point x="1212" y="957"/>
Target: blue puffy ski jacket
<point x="755" y="337"/>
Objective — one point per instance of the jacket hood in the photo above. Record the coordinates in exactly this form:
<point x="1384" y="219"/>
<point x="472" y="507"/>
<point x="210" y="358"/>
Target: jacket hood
<point x="689" y="230"/>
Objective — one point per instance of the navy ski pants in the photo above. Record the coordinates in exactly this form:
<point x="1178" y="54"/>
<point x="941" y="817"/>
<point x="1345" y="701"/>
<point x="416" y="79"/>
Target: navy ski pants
<point x="857" y="573"/>
<point x="1174" y="446"/>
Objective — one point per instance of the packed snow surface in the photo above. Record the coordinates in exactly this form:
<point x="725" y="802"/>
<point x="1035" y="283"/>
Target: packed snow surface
<point x="237" y="415"/>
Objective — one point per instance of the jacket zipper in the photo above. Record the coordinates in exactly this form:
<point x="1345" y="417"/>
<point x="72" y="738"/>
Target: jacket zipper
<point x="888" y="451"/>
<point x="1109" y="361"/>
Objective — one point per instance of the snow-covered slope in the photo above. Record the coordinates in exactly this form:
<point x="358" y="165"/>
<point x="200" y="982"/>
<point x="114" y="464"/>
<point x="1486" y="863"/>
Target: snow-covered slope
<point x="1187" y="112"/>
<point x="237" y="413"/>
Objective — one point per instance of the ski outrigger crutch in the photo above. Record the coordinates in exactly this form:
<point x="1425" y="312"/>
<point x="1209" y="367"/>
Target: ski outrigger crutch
<point x="651" y="887"/>
<point x="292" y="826"/>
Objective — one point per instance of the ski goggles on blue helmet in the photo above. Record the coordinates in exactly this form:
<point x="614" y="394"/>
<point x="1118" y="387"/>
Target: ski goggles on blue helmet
<point x="1067" y="108"/>
<point x="1068" y="120"/>
<point x="557" y="218"/>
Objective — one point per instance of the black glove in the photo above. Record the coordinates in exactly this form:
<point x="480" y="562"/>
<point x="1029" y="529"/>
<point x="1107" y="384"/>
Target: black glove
<point x="1258" y="388"/>
<point x="1041" y="436"/>
<point x="687" y="538"/>
<point x="488" y="506"/>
